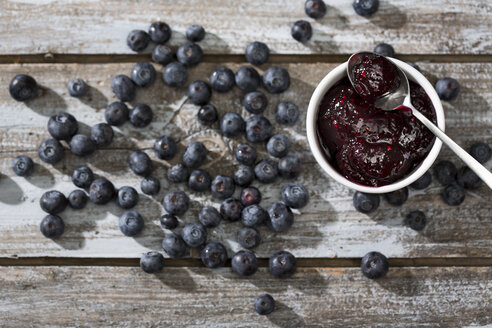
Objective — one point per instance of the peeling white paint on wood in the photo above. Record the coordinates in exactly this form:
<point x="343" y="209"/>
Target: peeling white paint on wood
<point x="101" y="27"/>
<point x="198" y="297"/>
<point x="327" y="227"/>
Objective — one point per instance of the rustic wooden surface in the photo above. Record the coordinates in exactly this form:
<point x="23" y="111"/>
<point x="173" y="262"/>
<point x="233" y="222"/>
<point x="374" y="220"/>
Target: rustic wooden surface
<point x="95" y="27"/>
<point x="197" y="297"/>
<point x="327" y="227"/>
<point x="439" y="277"/>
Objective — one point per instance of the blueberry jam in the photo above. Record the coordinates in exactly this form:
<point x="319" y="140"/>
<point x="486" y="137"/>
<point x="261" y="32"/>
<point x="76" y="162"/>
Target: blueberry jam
<point x="370" y="146"/>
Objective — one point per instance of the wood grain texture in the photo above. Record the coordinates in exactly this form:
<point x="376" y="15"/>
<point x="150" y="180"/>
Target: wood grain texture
<point x="197" y="297"/>
<point x="95" y="27"/>
<point x="327" y="227"/>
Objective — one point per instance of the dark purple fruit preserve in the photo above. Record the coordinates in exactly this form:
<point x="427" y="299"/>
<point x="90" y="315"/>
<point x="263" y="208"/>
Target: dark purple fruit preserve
<point x="370" y="146"/>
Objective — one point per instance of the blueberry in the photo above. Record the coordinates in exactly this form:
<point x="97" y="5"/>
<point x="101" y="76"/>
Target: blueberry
<point x="231" y="209"/>
<point x="287" y="113"/>
<point x="52" y="226"/>
<point x="51" y="151"/>
<point x="150" y="186"/>
<point x="250" y="196"/>
<point x="222" y="79"/>
<point x="246" y="154"/>
<point x="282" y="264"/>
<point x="189" y="54"/>
<point x="22" y="165"/>
<point x="445" y="172"/>
<point x="160" y="32"/>
<point x="315" y="8"/>
<point x="453" y="194"/>
<point x="176" y="202"/>
<point x="366" y="203"/>
<point x="295" y="195"/>
<point x="258" y="129"/>
<point x="138" y="40"/>
<point x="101" y="191"/>
<point x="199" y="92"/>
<point x="174" y="246"/>
<point x="374" y="265"/>
<point x="247" y="78"/>
<point x="255" y="102"/>
<point x="264" y="303"/>
<point x="301" y="31"/>
<point x="23" y="88"/>
<point x="169" y="221"/>
<point x="123" y="87"/>
<point x="266" y="171"/>
<point x="481" y="152"/>
<point x="102" y="134"/>
<point x="416" y="220"/>
<point x="384" y="49"/>
<point x="195" y="155"/>
<point x="63" y="126"/>
<point x="140" y="163"/>
<point x="165" y="147"/>
<point x="423" y="182"/>
<point x="244" y="176"/>
<point x="278" y="145"/>
<point x="175" y="74"/>
<point x="178" y="173"/>
<point x="53" y="202"/>
<point x="466" y="178"/>
<point x="199" y="180"/>
<point x="248" y="238"/>
<point x="257" y="53"/>
<point x="447" y="89"/>
<point x="82" y="145"/>
<point x="280" y="217"/>
<point x="194" y="234"/>
<point x="365" y="8"/>
<point x="117" y="113"/>
<point x="209" y="216"/>
<point x="82" y="176"/>
<point x="276" y="79"/>
<point x="414" y="65"/>
<point x="207" y="115"/>
<point x="77" y="88"/>
<point x="232" y="125"/>
<point x="141" y="115"/>
<point x="162" y="54"/>
<point x="131" y="223"/>
<point x="289" y="167"/>
<point x="152" y="262"/>
<point x="127" y="197"/>
<point x="195" y="33"/>
<point x="143" y="74"/>
<point x="253" y="215"/>
<point x="222" y="187"/>
<point x="214" y="255"/>
<point x="397" y="197"/>
<point x="244" y="263"/>
<point x="77" y="199"/>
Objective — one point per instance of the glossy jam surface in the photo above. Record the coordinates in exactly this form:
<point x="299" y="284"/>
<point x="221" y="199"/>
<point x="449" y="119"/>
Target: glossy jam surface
<point x="368" y="145"/>
<point x="373" y="76"/>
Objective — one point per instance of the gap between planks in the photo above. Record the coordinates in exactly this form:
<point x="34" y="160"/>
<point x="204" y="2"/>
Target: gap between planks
<point x="328" y="58"/>
<point x="301" y="262"/>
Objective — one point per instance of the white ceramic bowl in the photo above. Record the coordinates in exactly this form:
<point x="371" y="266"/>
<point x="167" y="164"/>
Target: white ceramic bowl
<point x="311" y="129"/>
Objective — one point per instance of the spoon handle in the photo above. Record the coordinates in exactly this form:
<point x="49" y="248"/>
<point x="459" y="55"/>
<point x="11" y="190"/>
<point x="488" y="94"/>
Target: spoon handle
<point x="472" y="163"/>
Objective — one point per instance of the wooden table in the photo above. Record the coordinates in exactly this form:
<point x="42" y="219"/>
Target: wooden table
<point x="90" y="277"/>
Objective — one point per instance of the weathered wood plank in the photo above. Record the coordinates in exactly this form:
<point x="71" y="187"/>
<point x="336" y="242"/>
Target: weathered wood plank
<point x="328" y="227"/>
<point x="95" y="27"/>
<point x="197" y="297"/>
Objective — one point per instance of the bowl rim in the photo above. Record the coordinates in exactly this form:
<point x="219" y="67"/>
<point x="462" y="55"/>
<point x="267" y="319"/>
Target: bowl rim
<point x="326" y="83"/>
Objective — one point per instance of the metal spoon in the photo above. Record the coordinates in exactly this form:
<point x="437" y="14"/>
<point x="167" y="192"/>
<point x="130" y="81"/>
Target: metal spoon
<point x="401" y="97"/>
